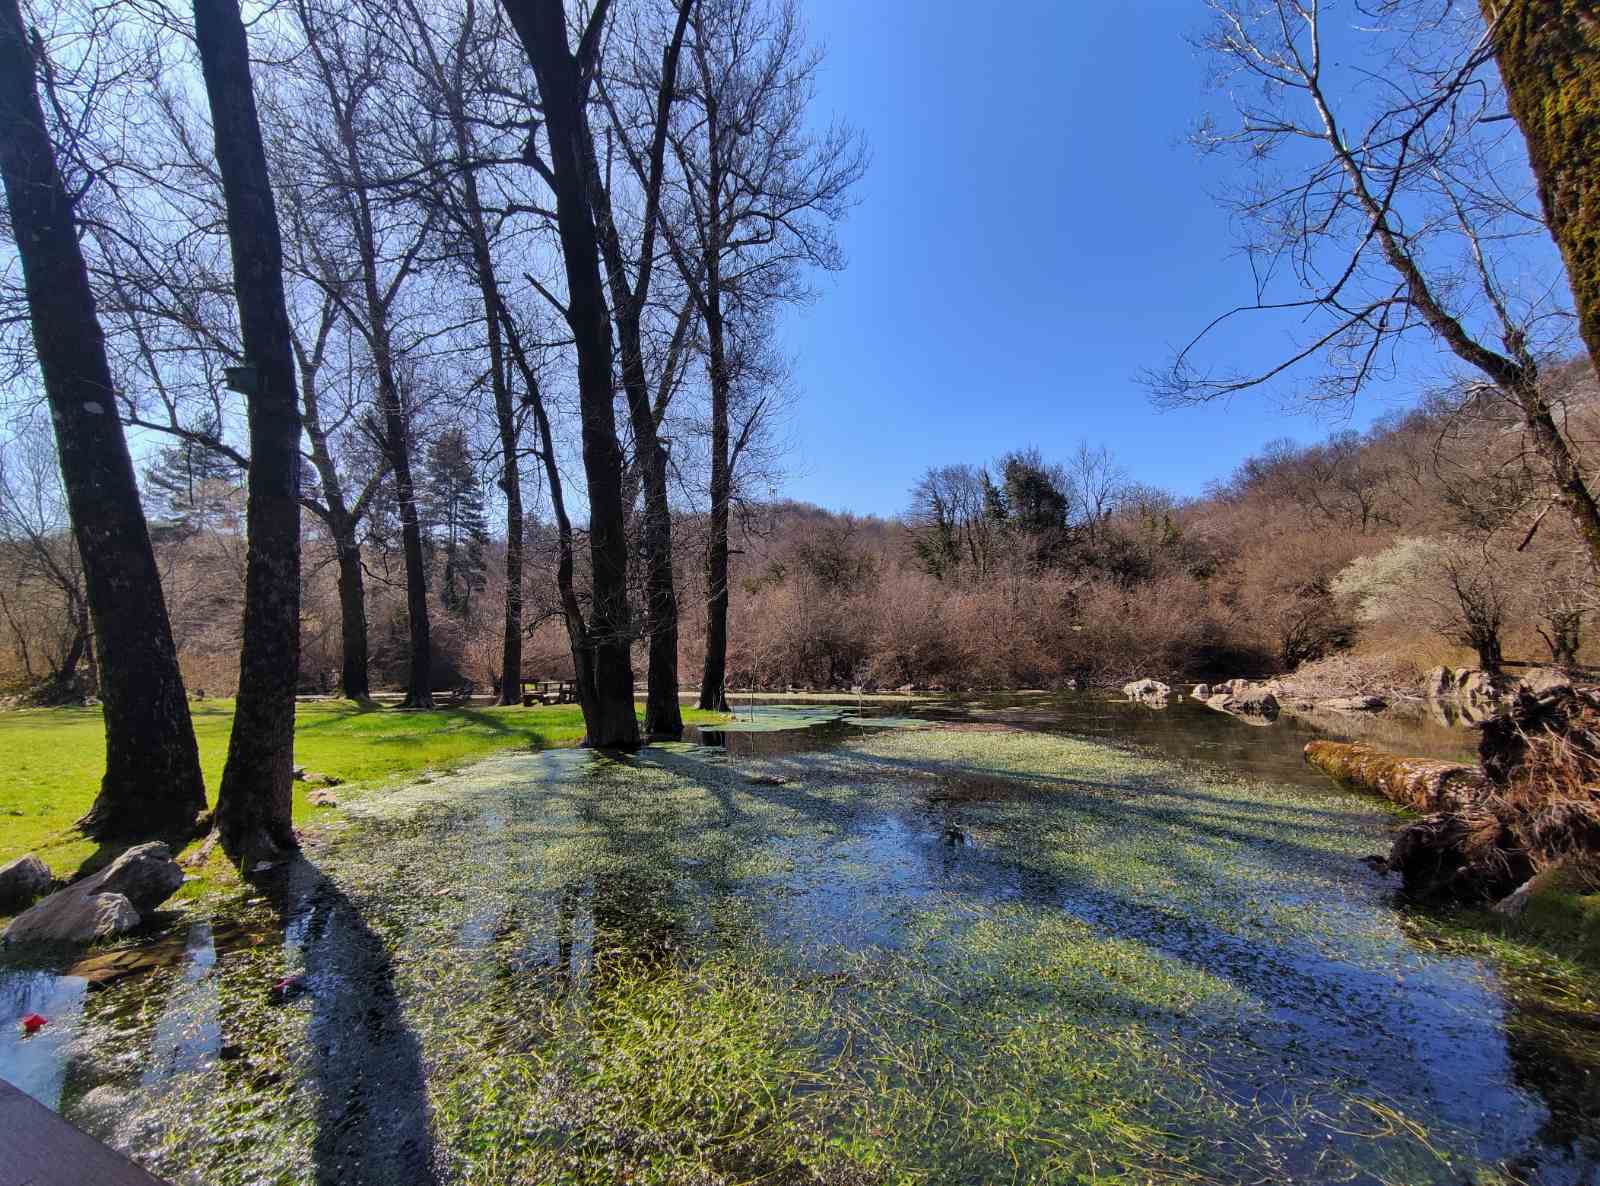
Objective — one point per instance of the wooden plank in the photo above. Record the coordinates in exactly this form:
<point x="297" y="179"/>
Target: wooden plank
<point x="38" y="1148"/>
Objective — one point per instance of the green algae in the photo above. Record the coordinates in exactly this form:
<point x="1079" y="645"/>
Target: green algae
<point x="919" y="956"/>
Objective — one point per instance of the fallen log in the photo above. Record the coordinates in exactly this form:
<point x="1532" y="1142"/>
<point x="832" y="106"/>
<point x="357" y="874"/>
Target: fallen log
<point x="1422" y="784"/>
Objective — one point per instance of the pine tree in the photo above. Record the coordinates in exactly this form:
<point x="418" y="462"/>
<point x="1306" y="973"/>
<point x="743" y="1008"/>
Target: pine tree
<point x="454" y="521"/>
<point x="190" y="487"/>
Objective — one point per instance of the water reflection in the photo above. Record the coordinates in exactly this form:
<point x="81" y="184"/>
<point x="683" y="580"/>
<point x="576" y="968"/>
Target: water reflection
<point x="37" y="1063"/>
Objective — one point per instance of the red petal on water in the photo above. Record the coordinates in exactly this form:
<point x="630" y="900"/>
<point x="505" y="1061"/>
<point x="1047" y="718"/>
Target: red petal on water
<point x="33" y="1023"/>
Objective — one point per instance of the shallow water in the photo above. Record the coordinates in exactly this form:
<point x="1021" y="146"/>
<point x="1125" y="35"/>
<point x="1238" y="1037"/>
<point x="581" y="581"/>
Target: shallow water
<point x="861" y="951"/>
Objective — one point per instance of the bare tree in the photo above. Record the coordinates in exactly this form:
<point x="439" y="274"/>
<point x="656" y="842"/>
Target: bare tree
<point x="1384" y="196"/>
<point x="564" y="77"/>
<point x="662" y="716"/>
<point x="152" y="784"/>
<point x="41" y="557"/>
<point x="757" y="197"/>
<point x="364" y="250"/>
<point x="254" y="803"/>
<point x="342" y="514"/>
<point x="449" y="70"/>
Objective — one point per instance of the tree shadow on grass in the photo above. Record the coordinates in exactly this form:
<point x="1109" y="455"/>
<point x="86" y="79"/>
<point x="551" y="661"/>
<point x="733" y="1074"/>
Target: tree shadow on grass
<point x="373" y="1123"/>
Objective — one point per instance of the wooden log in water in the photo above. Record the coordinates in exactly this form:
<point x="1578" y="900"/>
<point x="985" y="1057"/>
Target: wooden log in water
<point x="1422" y="784"/>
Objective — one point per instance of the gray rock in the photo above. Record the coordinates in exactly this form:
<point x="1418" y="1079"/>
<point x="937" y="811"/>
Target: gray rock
<point x="73" y="917"/>
<point x="107" y="903"/>
<point x="1201" y="692"/>
<point x="1541" y="681"/>
<point x="23" y="880"/>
<point x="1150" y="692"/>
<point x="1253" y="704"/>
<point x="1355" y="704"/>
<point x="1478" y="686"/>
<point x="146" y="875"/>
<point x="1439" y="683"/>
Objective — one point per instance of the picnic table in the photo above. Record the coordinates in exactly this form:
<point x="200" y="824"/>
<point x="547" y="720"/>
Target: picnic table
<point x="548" y="691"/>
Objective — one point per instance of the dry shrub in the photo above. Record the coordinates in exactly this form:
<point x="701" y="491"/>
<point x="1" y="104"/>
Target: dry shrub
<point x="1545" y="755"/>
<point x="1347" y="674"/>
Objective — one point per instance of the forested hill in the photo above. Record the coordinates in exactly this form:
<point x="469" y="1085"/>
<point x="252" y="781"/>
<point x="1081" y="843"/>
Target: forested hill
<point x="1428" y="539"/>
<point x="1424" y="540"/>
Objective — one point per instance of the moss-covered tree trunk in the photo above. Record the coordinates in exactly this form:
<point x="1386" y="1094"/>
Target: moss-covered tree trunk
<point x="152" y="784"/>
<point x="1549" y="57"/>
<point x="253" y="804"/>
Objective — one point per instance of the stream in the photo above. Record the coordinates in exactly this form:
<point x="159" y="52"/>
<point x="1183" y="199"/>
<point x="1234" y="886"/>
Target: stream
<point x="1017" y="938"/>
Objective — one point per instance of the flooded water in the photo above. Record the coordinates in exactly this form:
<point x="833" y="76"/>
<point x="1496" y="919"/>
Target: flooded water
<point x="1022" y="939"/>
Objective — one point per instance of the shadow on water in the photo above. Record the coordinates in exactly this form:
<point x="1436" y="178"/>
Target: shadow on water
<point x="366" y="1066"/>
<point x="564" y="874"/>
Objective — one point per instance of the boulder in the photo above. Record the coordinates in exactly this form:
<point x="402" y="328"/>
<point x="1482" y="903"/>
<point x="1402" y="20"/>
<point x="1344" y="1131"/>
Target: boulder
<point x="23" y="880"/>
<point x="72" y="917"/>
<point x="108" y="903"/>
<point x="1150" y="692"/>
<point x="1355" y="704"/>
<point x="1439" y="683"/>
<point x="146" y="875"/>
<point x="1201" y="692"/>
<point x="1256" y="705"/>
<point x="1541" y="681"/>
<point x="1478" y="686"/>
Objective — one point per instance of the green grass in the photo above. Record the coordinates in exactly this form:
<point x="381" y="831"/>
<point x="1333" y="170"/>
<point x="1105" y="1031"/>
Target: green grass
<point x="54" y="757"/>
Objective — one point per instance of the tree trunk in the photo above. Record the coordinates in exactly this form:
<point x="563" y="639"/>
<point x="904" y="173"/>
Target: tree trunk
<point x="511" y="484"/>
<point x="354" y="682"/>
<point x="714" y="679"/>
<point x="254" y="803"/>
<point x="542" y="28"/>
<point x="353" y="679"/>
<point x="1549" y="57"/>
<point x="1421" y="784"/>
<point x="1490" y="656"/>
<point x="152" y="784"/>
<point x="663" y="716"/>
<point x="505" y="420"/>
<point x="419" y="694"/>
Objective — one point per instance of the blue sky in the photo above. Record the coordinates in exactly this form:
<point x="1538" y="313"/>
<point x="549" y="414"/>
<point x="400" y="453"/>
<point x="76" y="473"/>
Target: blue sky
<point x="1032" y="232"/>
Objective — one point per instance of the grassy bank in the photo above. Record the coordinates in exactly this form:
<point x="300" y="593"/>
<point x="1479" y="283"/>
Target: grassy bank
<point x="53" y="757"/>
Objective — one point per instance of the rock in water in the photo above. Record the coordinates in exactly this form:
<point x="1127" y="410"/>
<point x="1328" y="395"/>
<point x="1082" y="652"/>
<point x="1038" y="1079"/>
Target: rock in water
<point x="108" y="903"/>
<point x="1440" y="683"/>
<point x="146" y="875"/>
<point x="23" y="880"/>
<point x="1149" y="692"/>
<point x="1256" y="705"/>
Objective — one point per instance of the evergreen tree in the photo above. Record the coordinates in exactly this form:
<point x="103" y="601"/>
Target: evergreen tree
<point x="454" y="521"/>
<point x="189" y="486"/>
